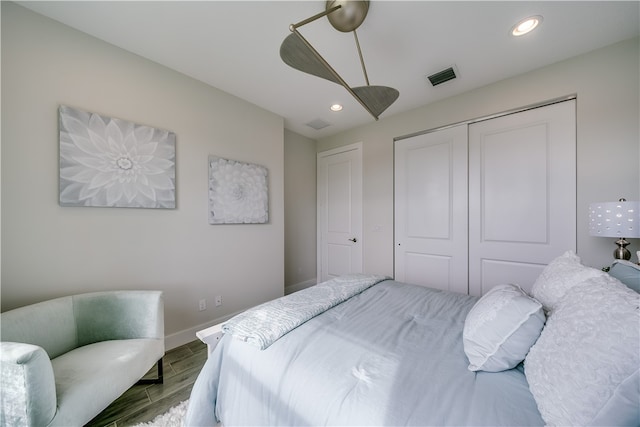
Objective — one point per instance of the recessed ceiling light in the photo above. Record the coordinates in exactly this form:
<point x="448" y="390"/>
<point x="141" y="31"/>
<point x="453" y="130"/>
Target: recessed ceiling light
<point x="526" y="25"/>
<point x="336" y="107"/>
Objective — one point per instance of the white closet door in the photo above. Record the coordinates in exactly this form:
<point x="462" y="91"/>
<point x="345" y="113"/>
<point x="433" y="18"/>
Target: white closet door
<point x="522" y="195"/>
<point x="431" y="209"/>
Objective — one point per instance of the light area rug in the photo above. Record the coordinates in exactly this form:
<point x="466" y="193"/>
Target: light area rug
<point x="174" y="417"/>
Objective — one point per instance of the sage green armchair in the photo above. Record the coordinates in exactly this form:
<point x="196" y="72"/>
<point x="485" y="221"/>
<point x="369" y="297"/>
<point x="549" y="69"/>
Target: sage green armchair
<point x="63" y="361"/>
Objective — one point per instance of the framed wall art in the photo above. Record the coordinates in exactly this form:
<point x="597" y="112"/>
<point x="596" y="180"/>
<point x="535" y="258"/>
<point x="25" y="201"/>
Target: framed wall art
<point x="238" y="192"/>
<point x="111" y="162"/>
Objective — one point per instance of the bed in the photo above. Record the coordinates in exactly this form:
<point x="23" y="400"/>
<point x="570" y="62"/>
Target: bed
<point x="367" y="350"/>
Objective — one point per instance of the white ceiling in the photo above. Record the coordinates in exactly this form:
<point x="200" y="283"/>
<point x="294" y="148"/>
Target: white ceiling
<point x="234" y="46"/>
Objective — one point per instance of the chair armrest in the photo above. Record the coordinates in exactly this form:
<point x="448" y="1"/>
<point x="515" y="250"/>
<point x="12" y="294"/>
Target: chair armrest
<point x="102" y="316"/>
<point x="28" y="385"/>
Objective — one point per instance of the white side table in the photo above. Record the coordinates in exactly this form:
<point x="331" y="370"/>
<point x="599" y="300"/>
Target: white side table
<point x="211" y="337"/>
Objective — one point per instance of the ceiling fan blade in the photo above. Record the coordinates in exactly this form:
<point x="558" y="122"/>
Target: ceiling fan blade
<point x="295" y="53"/>
<point x="298" y="53"/>
<point x="377" y="98"/>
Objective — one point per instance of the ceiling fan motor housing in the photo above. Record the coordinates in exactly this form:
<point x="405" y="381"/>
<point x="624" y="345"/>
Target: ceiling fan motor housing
<point x="350" y="15"/>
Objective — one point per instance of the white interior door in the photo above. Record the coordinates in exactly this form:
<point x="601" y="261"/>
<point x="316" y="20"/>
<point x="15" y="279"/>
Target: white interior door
<point x="431" y="209"/>
<point x="522" y="195"/>
<point x="339" y="212"/>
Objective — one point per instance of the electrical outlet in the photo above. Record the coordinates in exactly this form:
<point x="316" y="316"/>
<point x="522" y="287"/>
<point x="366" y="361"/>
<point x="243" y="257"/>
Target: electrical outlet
<point x="202" y="305"/>
<point x="218" y="301"/>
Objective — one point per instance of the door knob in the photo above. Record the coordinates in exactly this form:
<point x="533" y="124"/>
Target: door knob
<point x="353" y="240"/>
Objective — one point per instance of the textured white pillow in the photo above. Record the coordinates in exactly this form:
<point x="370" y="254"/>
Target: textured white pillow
<point x="501" y="328"/>
<point x="583" y="370"/>
<point x="559" y="276"/>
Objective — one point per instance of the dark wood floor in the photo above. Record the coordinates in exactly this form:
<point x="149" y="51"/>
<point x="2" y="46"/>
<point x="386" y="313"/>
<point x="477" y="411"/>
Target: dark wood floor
<point x="142" y="403"/>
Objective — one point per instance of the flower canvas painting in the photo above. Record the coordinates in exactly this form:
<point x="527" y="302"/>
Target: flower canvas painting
<point x="111" y="162"/>
<point x="238" y="192"/>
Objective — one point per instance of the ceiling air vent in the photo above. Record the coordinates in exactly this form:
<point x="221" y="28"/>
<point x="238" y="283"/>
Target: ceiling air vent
<point x="442" y="76"/>
<point x="318" y="124"/>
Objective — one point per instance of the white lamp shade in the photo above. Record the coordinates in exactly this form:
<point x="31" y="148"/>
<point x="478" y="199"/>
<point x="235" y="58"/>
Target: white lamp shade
<point x="614" y="219"/>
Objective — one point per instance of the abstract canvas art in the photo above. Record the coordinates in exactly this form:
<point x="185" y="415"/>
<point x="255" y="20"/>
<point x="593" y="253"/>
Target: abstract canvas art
<point x="238" y="192"/>
<point x="109" y="162"/>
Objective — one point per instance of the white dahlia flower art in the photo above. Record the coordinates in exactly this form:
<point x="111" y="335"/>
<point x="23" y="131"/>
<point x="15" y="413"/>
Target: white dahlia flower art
<point x="115" y="163"/>
<point x="238" y="192"/>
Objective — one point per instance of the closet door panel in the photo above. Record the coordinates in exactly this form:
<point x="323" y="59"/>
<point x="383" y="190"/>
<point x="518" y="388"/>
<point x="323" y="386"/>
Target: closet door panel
<point x="500" y="272"/>
<point x="429" y="178"/>
<point x="514" y="192"/>
<point x="431" y="209"/>
<point x="429" y="270"/>
<point x="522" y="195"/>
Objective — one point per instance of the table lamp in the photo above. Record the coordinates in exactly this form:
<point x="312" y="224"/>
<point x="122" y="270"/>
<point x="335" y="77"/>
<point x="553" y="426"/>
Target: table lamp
<point x="619" y="219"/>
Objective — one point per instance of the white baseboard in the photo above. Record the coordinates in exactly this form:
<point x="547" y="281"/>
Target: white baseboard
<point x="182" y="337"/>
<point x="299" y="286"/>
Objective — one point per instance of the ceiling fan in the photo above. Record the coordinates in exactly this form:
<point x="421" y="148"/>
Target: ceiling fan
<point x="345" y="16"/>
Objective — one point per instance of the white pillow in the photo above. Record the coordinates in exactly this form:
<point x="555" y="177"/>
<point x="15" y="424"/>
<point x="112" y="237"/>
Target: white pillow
<point x="559" y="276"/>
<point x="584" y="368"/>
<point x="501" y="328"/>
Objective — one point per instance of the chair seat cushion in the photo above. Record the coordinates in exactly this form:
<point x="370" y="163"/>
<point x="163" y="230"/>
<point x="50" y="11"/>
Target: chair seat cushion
<point x="108" y="366"/>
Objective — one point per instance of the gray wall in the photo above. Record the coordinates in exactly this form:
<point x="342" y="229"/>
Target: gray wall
<point x="608" y="158"/>
<point x="299" y="211"/>
<point x="50" y="251"/>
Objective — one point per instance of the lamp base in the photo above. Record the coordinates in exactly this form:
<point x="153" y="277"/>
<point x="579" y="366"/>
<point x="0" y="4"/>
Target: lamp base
<point x="621" y="251"/>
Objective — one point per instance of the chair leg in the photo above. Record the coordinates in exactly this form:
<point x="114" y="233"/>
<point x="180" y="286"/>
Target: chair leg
<point x="159" y="380"/>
